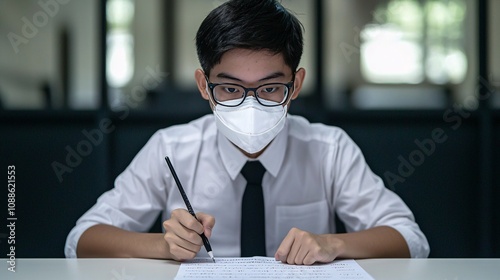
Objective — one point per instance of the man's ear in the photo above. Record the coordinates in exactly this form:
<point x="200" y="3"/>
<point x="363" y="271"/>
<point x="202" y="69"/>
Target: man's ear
<point x="201" y="82"/>
<point x="299" y="80"/>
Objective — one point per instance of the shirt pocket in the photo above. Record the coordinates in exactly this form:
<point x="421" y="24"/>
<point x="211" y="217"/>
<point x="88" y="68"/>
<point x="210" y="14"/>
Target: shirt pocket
<point x="312" y="217"/>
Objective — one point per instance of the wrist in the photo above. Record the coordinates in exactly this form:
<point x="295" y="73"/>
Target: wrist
<point x="161" y="247"/>
<point x="150" y="246"/>
<point x="338" y="246"/>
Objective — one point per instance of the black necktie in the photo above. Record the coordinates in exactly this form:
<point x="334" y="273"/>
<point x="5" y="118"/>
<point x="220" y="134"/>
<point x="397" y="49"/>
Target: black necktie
<point x="253" y="233"/>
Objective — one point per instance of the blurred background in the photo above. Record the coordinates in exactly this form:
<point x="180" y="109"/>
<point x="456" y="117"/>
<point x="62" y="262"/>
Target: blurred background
<point x="84" y="84"/>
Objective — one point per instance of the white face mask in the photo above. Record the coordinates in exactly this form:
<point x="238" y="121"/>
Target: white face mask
<point x="250" y="126"/>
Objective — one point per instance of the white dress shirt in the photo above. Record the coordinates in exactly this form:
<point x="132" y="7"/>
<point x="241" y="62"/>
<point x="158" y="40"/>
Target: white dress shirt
<point x="313" y="172"/>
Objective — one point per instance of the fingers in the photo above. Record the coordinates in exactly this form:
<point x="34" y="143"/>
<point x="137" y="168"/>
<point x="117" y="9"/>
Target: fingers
<point x="207" y="221"/>
<point x="285" y="247"/>
<point x="182" y="233"/>
<point x="304" y="248"/>
<point x="179" y="248"/>
<point x="291" y="250"/>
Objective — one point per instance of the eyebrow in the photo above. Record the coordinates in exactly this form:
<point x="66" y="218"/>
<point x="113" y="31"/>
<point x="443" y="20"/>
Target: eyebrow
<point x="269" y="77"/>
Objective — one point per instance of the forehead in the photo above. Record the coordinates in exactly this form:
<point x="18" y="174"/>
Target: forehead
<point x="250" y="65"/>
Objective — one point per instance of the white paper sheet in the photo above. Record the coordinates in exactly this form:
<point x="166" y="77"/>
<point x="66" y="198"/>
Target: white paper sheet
<point x="268" y="268"/>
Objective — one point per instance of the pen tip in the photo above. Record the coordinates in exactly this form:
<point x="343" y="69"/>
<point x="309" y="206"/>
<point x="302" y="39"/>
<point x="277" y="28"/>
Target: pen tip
<point x="211" y="256"/>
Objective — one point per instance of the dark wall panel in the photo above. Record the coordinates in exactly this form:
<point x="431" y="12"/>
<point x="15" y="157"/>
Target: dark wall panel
<point x="437" y="181"/>
<point x="47" y="207"/>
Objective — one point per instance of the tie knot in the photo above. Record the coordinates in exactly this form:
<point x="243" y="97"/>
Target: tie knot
<point x="253" y="171"/>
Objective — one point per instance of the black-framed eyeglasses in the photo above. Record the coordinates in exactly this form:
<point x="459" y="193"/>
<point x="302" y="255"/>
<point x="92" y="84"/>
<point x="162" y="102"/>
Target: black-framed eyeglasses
<point x="232" y="95"/>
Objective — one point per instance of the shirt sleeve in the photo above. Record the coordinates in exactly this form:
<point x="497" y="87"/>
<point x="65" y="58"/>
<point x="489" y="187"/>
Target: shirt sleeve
<point x="133" y="204"/>
<point x="362" y="201"/>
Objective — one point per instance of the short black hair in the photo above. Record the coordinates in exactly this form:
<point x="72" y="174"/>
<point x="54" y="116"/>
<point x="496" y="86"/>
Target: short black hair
<point x="249" y="24"/>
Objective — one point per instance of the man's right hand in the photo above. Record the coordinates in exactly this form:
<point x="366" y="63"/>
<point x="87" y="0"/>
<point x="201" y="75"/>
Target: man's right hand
<point x="182" y="233"/>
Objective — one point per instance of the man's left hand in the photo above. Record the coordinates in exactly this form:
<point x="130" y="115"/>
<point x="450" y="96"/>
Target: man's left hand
<point x="304" y="248"/>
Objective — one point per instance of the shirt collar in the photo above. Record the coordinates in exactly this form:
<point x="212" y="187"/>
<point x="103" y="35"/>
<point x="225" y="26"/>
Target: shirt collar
<point x="272" y="158"/>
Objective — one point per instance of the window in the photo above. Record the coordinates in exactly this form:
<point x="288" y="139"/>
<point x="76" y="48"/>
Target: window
<point x="414" y="54"/>
<point x="134" y="50"/>
<point x="415" y="41"/>
<point x="120" y="43"/>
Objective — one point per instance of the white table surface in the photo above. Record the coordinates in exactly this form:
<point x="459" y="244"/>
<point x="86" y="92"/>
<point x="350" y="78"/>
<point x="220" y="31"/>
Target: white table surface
<point x="135" y="269"/>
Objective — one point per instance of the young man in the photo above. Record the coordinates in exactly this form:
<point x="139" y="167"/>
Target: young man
<point x="249" y="52"/>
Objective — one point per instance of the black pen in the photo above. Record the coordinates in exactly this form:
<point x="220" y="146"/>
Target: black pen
<point x="190" y="209"/>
